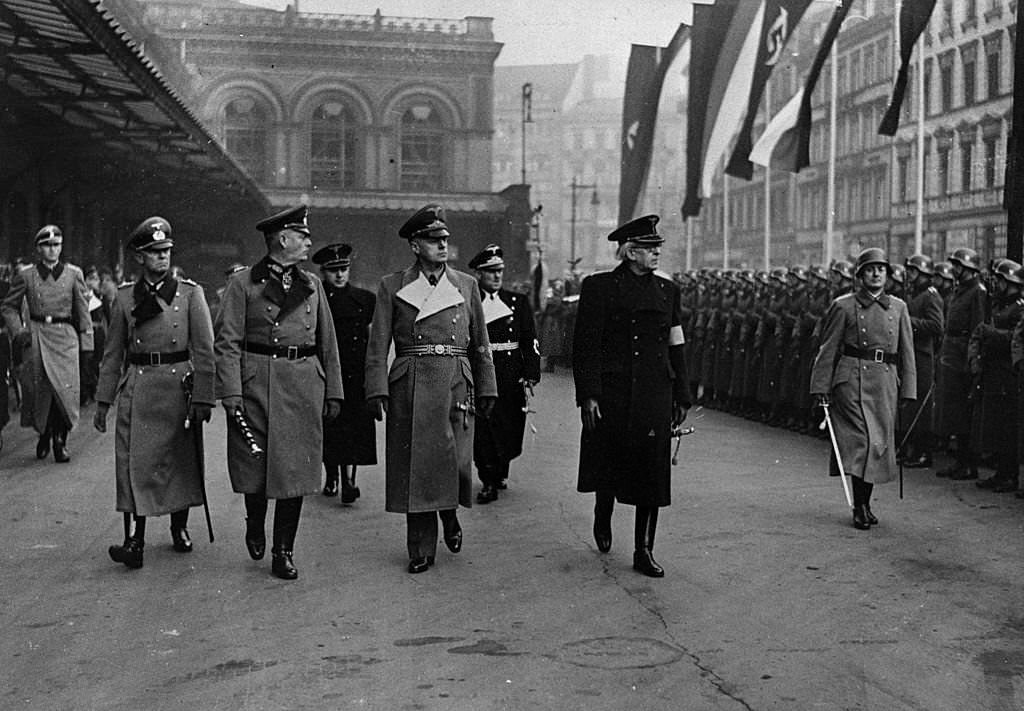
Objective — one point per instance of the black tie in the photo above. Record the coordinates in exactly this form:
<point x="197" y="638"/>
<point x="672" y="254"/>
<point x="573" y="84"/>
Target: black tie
<point x="432" y="279"/>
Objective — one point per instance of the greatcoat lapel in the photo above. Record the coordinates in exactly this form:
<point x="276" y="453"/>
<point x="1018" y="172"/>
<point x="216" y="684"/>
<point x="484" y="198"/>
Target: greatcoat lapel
<point x="495" y="308"/>
<point x="427" y="299"/>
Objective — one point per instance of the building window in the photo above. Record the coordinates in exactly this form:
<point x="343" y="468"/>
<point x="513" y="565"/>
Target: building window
<point x="990" y="161"/>
<point x="946" y="77"/>
<point x="869" y="65"/>
<point x="332" y="147"/>
<point x="882" y="59"/>
<point x="855" y="78"/>
<point x="993" y="58"/>
<point x="943" y="174"/>
<point x="245" y="135"/>
<point x="903" y="162"/>
<point x="423" y="138"/>
<point x="927" y="88"/>
<point x="968" y="83"/>
<point x="966" y="158"/>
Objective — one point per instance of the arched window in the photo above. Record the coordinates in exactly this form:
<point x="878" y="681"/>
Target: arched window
<point x="245" y="135"/>
<point x="422" y="168"/>
<point x="332" y="147"/>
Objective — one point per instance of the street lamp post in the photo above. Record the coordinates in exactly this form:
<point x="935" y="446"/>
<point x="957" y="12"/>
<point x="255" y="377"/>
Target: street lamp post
<point x="527" y="117"/>
<point x="574" y="186"/>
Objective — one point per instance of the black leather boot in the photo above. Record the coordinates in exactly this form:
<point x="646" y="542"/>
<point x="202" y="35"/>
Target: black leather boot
<point x="603" y="508"/>
<point x="349" y="490"/>
<point x="286" y="525"/>
<point x="860" y="518"/>
<point x="331" y="483"/>
<point x="643" y="558"/>
<point x="130" y="552"/>
<point x="452" y="531"/>
<point x="60" y="450"/>
<point x="43" y="445"/>
<point x="255" y="535"/>
<point x="179" y="534"/>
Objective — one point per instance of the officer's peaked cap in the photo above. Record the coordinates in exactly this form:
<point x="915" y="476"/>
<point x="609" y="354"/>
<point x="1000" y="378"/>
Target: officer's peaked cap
<point x="47" y="233"/>
<point x="153" y="232"/>
<point x="642" y="230"/>
<point x="294" y="218"/>
<point x="490" y="257"/>
<point x="428" y="221"/>
<point x="334" y="255"/>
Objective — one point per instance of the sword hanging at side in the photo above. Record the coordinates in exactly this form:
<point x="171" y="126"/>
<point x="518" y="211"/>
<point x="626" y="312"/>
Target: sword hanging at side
<point x="188" y="385"/>
<point x="839" y="459"/>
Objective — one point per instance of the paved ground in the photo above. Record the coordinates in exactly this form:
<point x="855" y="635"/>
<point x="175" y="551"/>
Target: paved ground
<point x="772" y="600"/>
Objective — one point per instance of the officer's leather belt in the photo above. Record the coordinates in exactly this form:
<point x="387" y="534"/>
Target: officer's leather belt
<point x="432" y="349"/>
<point x="288" y="352"/>
<point x="875" y="354"/>
<point x="52" y="319"/>
<point x="157" y="358"/>
<point x="504" y="346"/>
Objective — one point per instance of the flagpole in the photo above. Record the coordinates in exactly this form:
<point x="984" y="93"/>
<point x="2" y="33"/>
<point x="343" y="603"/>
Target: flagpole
<point x="830" y="214"/>
<point x="689" y="245"/>
<point x="767" y="183"/>
<point x="919" y="218"/>
<point x="725" y="221"/>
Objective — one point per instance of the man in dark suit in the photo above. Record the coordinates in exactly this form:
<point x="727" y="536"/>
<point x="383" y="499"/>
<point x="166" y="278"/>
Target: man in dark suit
<point x="499" y="438"/>
<point x="631" y="386"/>
<point x="351" y="438"/>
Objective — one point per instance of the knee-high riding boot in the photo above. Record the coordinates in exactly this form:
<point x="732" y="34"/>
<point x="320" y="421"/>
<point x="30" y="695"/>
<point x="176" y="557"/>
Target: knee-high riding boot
<point x="603" y="507"/>
<point x="643" y="558"/>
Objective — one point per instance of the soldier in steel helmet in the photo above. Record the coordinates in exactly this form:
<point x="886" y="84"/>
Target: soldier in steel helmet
<point x="953" y="408"/>
<point x="994" y="384"/>
<point x="864" y="366"/>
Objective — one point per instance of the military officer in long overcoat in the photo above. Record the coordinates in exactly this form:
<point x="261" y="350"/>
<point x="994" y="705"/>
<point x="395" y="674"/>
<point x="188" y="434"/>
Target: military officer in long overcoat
<point x="994" y="384"/>
<point x="499" y="438"/>
<point x="278" y="377"/>
<point x="926" y="321"/>
<point x="864" y="366"/>
<point x="351" y="438"/>
<point x="631" y="386"/>
<point x="967" y="308"/>
<point x="441" y="375"/>
<point x="160" y="331"/>
<point x="47" y="315"/>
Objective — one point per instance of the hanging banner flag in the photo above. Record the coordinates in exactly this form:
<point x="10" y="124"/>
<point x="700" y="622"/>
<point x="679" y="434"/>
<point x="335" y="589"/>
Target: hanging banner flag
<point x="914" y="15"/>
<point x="644" y="80"/>
<point x="780" y="19"/>
<point x="786" y="141"/>
<point x="722" y="55"/>
<point x="1015" y="157"/>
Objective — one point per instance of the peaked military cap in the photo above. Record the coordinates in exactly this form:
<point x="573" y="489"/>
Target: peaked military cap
<point x="294" y="218"/>
<point x="48" y="233"/>
<point x="151" y="232"/>
<point x="490" y="258"/>
<point x="428" y="221"/>
<point x="334" y="255"/>
<point x="642" y="230"/>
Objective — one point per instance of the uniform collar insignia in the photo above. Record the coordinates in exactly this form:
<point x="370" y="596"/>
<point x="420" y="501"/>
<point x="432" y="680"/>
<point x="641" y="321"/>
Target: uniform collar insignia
<point x="428" y="299"/>
<point x="45" y="271"/>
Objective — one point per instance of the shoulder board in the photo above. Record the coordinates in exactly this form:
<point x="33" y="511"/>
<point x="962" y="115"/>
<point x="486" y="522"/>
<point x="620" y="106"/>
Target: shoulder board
<point x="1020" y="301"/>
<point x="843" y="297"/>
<point x="982" y="287"/>
<point x="26" y="267"/>
<point x="933" y="290"/>
<point x="188" y="281"/>
<point x="125" y="285"/>
<point x="663" y="275"/>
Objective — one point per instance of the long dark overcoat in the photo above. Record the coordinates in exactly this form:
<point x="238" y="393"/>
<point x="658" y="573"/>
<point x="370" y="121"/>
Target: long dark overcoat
<point x="429" y="442"/>
<point x="283" y="398"/>
<point x="926" y="322"/>
<point x="994" y="421"/>
<point x="967" y="308"/>
<point x="499" y="438"/>
<point x="863" y="391"/>
<point x="50" y="366"/>
<point x="158" y="463"/>
<point x="623" y="359"/>
<point x="351" y="438"/>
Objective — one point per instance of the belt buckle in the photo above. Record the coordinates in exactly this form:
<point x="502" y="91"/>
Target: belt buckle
<point x="879" y="355"/>
<point x="293" y="352"/>
<point x="439" y="349"/>
<point x="48" y="319"/>
<point x="154" y="359"/>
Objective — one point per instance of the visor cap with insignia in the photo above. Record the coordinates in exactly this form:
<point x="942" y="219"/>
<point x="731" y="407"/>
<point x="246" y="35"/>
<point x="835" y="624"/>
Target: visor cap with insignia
<point x="334" y="256"/>
<point x="428" y="221"/>
<point x="642" y="231"/>
<point x="153" y="232"/>
<point x="294" y="218"/>
<point x="491" y="257"/>
<point x="49" y="233"/>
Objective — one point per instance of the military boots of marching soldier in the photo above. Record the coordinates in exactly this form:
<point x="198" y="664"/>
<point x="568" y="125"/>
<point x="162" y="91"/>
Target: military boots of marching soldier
<point x="645" y="526"/>
<point x="345" y="475"/>
<point x="131" y="551"/>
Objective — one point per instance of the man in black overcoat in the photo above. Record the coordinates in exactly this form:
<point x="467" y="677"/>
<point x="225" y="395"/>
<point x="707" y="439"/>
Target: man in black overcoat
<point x="351" y="438"/>
<point x="631" y="386"/>
<point x="498" y="439"/>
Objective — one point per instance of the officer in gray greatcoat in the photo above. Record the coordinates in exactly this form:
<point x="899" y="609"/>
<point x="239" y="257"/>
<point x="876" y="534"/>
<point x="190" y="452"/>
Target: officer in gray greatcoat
<point x="58" y="326"/>
<point x="499" y="438"/>
<point x="442" y="374"/>
<point x="351" y="438"/>
<point x="278" y="377"/>
<point x="864" y="366"/>
<point x="159" y="332"/>
<point x="631" y="386"/>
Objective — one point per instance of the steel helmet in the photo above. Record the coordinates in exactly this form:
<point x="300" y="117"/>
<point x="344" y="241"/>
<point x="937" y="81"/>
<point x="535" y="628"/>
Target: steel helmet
<point x="1009" y="270"/>
<point x="818" y="272"/>
<point x="779" y="274"/>
<point x="871" y="255"/>
<point x="897" y="273"/>
<point x="799" y="272"/>
<point x="944" y="270"/>
<point x="921" y="263"/>
<point x="843" y="268"/>
<point x="966" y="258"/>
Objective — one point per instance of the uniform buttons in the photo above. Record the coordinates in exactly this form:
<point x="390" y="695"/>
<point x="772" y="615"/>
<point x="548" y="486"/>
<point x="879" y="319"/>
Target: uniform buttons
<point x="277" y="323"/>
<point x="140" y="371"/>
<point x="420" y="336"/>
<point x="138" y="340"/>
<point x="177" y="308"/>
<point x="636" y="353"/>
<point x="174" y="340"/>
<point x="269" y="308"/>
<point x="308" y="327"/>
<point x="173" y="371"/>
<point x="174" y="325"/>
<point x="308" y="310"/>
<point x="276" y="340"/>
<point x="453" y="338"/>
<point x="454" y="320"/>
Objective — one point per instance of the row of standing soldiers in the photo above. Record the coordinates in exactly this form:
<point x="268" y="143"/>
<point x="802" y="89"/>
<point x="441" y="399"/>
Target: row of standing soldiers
<point x="752" y="338"/>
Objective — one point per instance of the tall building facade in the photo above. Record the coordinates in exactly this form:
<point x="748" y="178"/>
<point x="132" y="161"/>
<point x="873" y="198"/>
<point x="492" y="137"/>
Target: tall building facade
<point x="366" y="118"/>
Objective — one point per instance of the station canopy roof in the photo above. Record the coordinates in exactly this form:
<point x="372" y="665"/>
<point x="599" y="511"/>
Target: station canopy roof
<point x="72" y="59"/>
